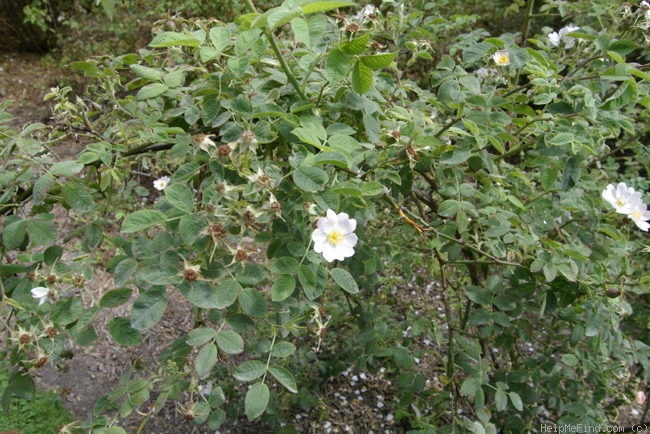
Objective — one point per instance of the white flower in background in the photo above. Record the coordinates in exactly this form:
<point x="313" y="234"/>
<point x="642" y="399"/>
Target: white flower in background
<point x="43" y="294"/>
<point x="501" y="58"/>
<point x="368" y="12"/>
<point x="626" y="200"/>
<point x="161" y="183"/>
<point x="640" y="216"/>
<point x="623" y="198"/>
<point x="334" y="236"/>
<point x="556" y="37"/>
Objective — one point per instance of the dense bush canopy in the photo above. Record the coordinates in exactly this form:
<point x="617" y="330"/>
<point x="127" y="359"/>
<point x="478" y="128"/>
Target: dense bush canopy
<point x="282" y="172"/>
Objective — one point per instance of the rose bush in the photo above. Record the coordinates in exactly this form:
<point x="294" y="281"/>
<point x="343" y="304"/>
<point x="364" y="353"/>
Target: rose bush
<point x="352" y="149"/>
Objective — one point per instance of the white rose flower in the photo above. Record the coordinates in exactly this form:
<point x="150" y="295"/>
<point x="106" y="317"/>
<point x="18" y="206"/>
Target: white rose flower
<point x="501" y="58"/>
<point x="161" y="183"/>
<point x="334" y="236"/>
<point x="623" y="198"/>
<point x="43" y="294"/>
<point x="640" y="216"/>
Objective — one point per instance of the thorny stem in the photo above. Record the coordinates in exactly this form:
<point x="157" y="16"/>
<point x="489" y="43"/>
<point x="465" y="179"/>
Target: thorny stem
<point x="450" y="332"/>
<point x="278" y="55"/>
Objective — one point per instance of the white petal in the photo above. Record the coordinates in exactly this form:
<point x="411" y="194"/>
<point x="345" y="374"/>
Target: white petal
<point x="350" y="240"/>
<point x="330" y="253"/>
<point x="326" y="224"/>
<point x="40" y="292"/>
<point x="318" y="236"/>
<point x="345" y="251"/>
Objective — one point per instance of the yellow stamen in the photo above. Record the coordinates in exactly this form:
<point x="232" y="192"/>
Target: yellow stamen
<point x="335" y="237"/>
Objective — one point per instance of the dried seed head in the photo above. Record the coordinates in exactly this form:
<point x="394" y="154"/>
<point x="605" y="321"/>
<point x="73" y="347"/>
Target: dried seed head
<point x="276" y="207"/>
<point x="25" y="338"/>
<point x="51" y="278"/>
<point x="352" y="27"/>
<point x="40" y="362"/>
<point x="248" y="137"/>
<point x="249" y="218"/>
<point x="224" y="150"/>
<point x="190" y="273"/>
<point x="395" y="134"/>
<point x="79" y="281"/>
<point x="51" y="331"/>
<point x="264" y="181"/>
<point x="216" y="231"/>
<point x="240" y="255"/>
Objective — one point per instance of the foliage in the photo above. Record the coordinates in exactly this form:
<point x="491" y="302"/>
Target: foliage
<point x="487" y="177"/>
<point x="33" y="414"/>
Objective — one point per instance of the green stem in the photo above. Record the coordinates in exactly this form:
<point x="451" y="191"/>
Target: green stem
<point x="278" y="54"/>
<point x="529" y="13"/>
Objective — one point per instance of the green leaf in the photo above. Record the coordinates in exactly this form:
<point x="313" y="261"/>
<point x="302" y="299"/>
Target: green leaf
<point x="66" y="168"/>
<point x="309" y="31"/>
<point x="570" y="360"/>
<point x="356" y="46"/>
<point x="252" y="302"/>
<point x="205" y="360"/>
<point x="337" y="65"/>
<point x="378" y="61"/>
<point x="42" y="186"/>
<point x="148" y="308"/>
<point x="230" y="342"/>
<point x="115" y="297"/>
<point x="310" y="179"/>
<point x="284" y="377"/>
<point x="180" y="196"/>
<point x="344" y="279"/>
<point x="470" y="386"/>
<point x="14" y="234"/>
<point x="284" y="265"/>
<point x="41" y="232"/>
<point x="78" y="196"/>
<point x="88" y="68"/>
<point x="142" y="219"/>
<point x="516" y="401"/>
<point x="324" y="6"/>
<point x="115" y="430"/>
<point x="256" y="401"/>
<point x="220" y="38"/>
<point x="190" y="227"/>
<point x="334" y="158"/>
<point x="361" y="78"/>
<point x="283" y="349"/>
<point x="307" y="279"/>
<point x="67" y="311"/>
<point x="52" y="254"/>
<point x="249" y="370"/>
<point x="122" y="332"/>
<point x="226" y="294"/>
<point x="146" y="72"/>
<point x="500" y="400"/>
<point x="174" y="39"/>
<point x="202" y="294"/>
<point x="559" y="139"/>
<point x="283" y="287"/>
<point x="151" y="91"/>
<point x="200" y="336"/>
